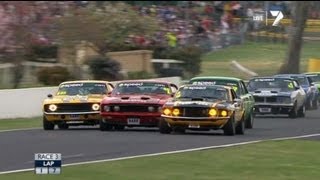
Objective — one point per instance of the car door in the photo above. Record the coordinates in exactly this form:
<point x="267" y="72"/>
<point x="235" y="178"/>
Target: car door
<point x="299" y="94"/>
<point x="247" y="98"/>
<point x="238" y="109"/>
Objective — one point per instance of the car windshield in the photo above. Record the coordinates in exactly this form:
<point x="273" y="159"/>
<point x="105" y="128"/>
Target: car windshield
<point x="141" y="88"/>
<point x="202" y="92"/>
<point x="72" y="89"/>
<point x="283" y="85"/>
<point x="315" y="78"/>
<point x="233" y="84"/>
<point x="303" y="81"/>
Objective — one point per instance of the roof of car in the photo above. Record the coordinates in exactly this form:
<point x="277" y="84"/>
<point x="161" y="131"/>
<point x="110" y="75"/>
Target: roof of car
<point x="272" y="77"/>
<point x="215" y="77"/>
<point x="227" y="87"/>
<point x="143" y="80"/>
<point x="312" y="73"/>
<point x="85" y="81"/>
<point x="288" y="75"/>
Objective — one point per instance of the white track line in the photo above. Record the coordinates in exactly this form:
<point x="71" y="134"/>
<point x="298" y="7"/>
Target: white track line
<point x="172" y="152"/>
<point x="25" y="129"/>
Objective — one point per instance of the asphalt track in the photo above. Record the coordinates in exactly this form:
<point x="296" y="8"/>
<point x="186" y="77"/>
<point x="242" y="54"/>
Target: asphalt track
<point x="17" y="148"/>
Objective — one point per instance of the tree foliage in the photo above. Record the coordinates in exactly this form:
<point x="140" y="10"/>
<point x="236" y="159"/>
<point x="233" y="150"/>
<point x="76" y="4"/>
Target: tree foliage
<point x="104" y="27"/>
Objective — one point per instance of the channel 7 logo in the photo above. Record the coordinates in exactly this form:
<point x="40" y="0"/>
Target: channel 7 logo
<point x="276" y="13"/>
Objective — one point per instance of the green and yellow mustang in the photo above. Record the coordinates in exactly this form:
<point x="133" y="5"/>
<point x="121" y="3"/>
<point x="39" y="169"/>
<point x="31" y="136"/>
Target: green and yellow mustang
<point x="315" y="78"/>
<point x="238" y="86"/>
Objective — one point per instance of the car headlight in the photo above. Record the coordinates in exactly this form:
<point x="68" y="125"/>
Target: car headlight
<point x="176" y="112"/>
<point x="106" y="108"/>
<point x="150" y="108"/>
<point x="95" y="107"/>
<point x="167" y="111"/>
<point x="116" y="108"/>
<point x="212" y="112"/>
<point x="224" y="113"/>
<point x="53" y="107"/>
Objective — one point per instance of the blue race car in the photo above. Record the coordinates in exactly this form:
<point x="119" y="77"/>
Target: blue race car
<point x="309" y="88"/>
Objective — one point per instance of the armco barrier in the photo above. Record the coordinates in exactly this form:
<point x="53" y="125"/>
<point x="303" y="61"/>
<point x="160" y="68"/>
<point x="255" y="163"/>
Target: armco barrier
<point x="24" y="103"/>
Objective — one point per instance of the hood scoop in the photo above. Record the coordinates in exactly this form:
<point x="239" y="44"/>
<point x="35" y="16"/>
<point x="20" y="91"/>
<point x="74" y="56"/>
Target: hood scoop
<point x="196" y="99"/>
<point x="274" y="91"/>
<point x="124" y="98"/>
<point x="257" y="91"/>
<point x="145" y="98"/>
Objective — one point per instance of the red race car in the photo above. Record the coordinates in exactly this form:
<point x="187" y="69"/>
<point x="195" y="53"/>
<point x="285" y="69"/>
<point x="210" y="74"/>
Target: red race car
<point x="135" y="103"/>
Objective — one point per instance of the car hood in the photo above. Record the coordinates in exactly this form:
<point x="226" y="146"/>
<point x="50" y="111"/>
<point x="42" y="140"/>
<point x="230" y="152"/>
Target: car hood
<point x="75" y="99"/>
<point x="189" y="103"/>
<point x="270" y="92"/>
<point x="136" y="99"/>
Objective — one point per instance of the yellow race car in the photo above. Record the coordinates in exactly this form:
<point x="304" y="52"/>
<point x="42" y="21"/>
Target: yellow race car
<point x="76" y="103"/>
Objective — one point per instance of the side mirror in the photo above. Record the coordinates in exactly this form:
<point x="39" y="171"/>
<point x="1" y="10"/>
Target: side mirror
<point x="312" y="84"/>
<point x="237" y="102"/>
<point x="49" y="96"/>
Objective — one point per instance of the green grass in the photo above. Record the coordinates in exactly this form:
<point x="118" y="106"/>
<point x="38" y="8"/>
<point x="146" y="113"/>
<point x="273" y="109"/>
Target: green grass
<point x="20" y="123"/>
<point x="281" y="160"/>
<point x="261" y="57"/>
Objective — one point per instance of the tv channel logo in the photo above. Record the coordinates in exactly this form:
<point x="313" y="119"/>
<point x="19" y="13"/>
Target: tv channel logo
<point x="47" y="163"/>
<point x="263" y="16"/>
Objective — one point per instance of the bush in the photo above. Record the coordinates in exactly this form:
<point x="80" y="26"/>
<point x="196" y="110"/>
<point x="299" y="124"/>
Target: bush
<point x="190" y="55"/>
<point x="41" y="53"/>
<point x="104" y="68"/>
<point x="53" y="75"/>
<point x="140" y="75"/>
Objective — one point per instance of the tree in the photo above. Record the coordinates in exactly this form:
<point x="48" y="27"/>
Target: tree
<point x="299" y="13"/>
<point x="104" y="68"/>
<point x="102" y="27"/>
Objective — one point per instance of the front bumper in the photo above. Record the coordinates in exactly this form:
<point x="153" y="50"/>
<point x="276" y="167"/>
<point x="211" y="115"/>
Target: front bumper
<point x="73" y="116"/>
<point x="196" y="122"/>
<point x="272" y="108"/>
<point x="131" y="119"/>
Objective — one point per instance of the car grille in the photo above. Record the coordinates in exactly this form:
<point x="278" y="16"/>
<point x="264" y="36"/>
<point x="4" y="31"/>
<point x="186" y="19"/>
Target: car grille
<point x="136" y="108"/>
<point x="258" y="99"/>
<point x="81" y="107"/>
<point x="271" y="99"/>
<point x="194" y="111"/>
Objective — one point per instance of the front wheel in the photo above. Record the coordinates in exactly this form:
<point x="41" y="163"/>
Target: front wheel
<point x="229" y="127"/>
<point x="294" y="112"/>
<point x="105" y="126"/>
<point x="164" y="127"/>
<point x="47" y="125"/>
<point x="315" y="104"/>
<point x="249" y="121"/>
<point x="302" y="111"/>
<point x="240" y="127"/>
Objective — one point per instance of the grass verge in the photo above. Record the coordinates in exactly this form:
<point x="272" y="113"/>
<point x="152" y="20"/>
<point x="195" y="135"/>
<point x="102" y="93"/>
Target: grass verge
<point x="261" y="57"/>
<point x="6" y="124"/>
<point x="291" y="159"/>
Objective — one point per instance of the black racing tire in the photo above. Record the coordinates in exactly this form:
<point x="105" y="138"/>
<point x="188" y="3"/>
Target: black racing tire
<point x="105" y="126"/>
<point x="309" y="104"/>
<point x="47" y="125"/>
<point x="302" y="111"/>
<point x="164" y="127"/>
<point x="63" y="126"/>
<point x="119" y="127"/>
<point x="249" y="121"/>
<point x="315" y="104"/>
<point x="229" y="127"/>
<point x="294" y="112"/>
<point x="240" y="128"/>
